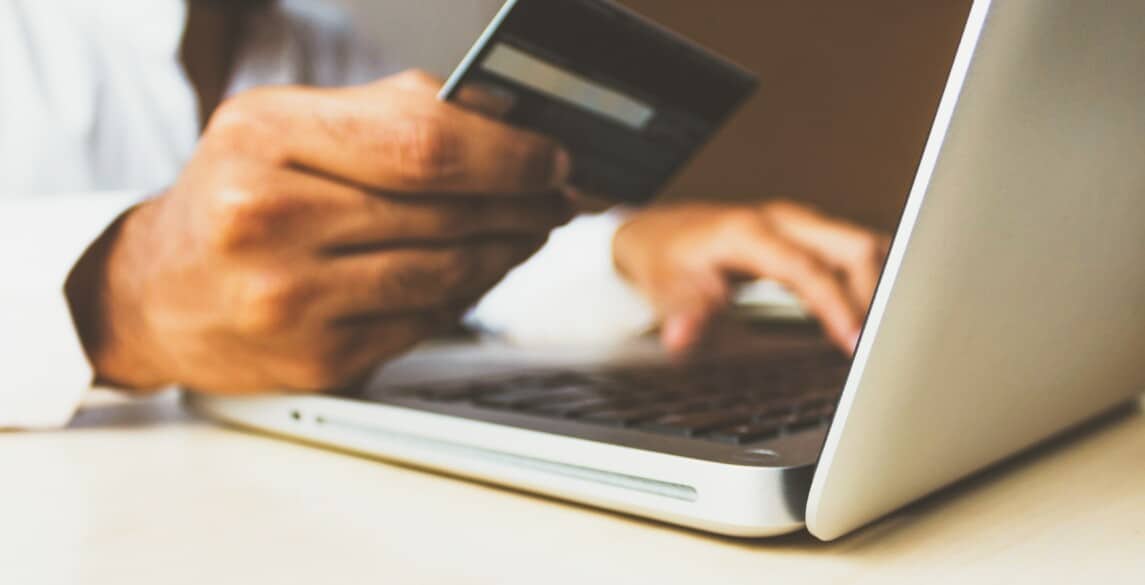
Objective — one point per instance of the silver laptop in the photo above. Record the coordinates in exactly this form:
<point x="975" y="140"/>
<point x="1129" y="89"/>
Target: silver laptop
<point x="1012" y="307"/>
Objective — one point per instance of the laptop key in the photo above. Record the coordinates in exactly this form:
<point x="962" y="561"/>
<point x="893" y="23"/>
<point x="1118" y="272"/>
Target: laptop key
<point x="562" y="396"/>
<point x="535" y="397"/>
<point x="689" y="425"/>
<point x="511" y="398"/>
<point x="622" y="417"/>
<point x="737" y="402"/>
<point x="818" y="411"/>
<point x="802" y="423"/>
<point x="451" y="393"/>
<point x="646" y="407"/>
<point x="571" y="409"/>
<point x="773" y="406"/>
<point x="563" y="379"/>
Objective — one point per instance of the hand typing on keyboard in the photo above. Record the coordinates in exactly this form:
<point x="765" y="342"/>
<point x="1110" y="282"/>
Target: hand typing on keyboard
<point x="687" y="258"/>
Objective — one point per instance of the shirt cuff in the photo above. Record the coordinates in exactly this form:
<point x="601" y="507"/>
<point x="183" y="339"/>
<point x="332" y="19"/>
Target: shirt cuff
<point x="44" y="367"/>
<point x="569" y="293"/>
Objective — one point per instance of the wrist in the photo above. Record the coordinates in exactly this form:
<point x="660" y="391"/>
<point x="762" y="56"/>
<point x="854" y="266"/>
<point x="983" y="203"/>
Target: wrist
<point x="106" y="304"/>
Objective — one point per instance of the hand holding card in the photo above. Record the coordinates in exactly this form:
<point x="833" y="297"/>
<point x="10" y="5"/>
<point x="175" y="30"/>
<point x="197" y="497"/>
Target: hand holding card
<point x="632" y="101"/>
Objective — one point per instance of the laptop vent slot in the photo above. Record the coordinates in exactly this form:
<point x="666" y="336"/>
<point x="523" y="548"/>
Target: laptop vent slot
<point x="577" y="472"/>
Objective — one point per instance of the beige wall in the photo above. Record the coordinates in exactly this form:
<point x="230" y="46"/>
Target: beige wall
<point x="429" y="34"/>
<point x="847" y="95"/>
<point x="848" y="91"/>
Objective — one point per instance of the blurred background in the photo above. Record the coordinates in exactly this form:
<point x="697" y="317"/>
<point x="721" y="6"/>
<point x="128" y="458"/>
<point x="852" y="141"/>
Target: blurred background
<point x="848" y="89"/>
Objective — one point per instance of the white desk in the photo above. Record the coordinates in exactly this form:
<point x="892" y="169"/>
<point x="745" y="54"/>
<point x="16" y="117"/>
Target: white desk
<point x="141" y="493"/>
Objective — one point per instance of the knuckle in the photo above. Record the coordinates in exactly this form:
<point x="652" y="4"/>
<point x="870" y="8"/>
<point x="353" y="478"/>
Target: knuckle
<point x="269" y="304"/>
<point x="338" y="124"/>
<point x="738" y="221"/>
<point x="432" y="279"/>
<point x="785" y="207"/>
<point x="238" y="116"/>
<point x="427" y="152"/>
<point x="416" y="78"/>
<point x="538" y="161"/>
<point x="246" y="123"/>
<point x="803" y="268"/>
<point x="241" y="215"/>
<point x="463" y="217"/>
<point x="460" y="269"/>
<point x="234" y="113"/>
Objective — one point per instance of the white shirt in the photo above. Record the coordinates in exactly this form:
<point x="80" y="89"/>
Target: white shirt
<point x="96" y="114"/>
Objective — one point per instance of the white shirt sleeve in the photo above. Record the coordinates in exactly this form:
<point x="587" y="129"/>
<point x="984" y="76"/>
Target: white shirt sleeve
<point x="569" y="293"/>
<point x="44" y="369"/>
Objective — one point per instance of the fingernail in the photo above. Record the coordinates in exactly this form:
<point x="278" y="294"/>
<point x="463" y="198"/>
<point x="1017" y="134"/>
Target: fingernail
<point x="681" y="333"/>
<point x="674" y="332"/>
<point x="562" y="167"/>
<point x="855" y="342"/>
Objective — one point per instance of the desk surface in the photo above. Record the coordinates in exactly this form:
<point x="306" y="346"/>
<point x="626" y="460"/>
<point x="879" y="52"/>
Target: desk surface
<point x="139" y="492"/>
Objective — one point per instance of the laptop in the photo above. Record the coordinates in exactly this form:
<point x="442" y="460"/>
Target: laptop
<point x="1011" y="309"/>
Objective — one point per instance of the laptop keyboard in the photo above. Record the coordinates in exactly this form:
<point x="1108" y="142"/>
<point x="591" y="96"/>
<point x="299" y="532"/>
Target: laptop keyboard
<point x="738" y="402"/>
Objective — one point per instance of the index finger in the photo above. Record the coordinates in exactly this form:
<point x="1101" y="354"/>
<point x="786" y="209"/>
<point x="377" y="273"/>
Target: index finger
<point x="854" y="250"/>
<point x="386" y="137"/>
<point x="764" y="255"/>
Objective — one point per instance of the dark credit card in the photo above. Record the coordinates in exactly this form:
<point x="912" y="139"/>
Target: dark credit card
<point x="631" y="100"/>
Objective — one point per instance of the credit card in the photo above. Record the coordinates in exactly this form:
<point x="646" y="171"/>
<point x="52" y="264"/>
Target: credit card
<point x="632" y="101"/>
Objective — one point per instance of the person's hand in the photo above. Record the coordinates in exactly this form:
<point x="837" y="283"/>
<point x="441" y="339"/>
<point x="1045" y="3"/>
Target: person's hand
<point x="314" y="234"/>
<point x="687" y="258"/>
